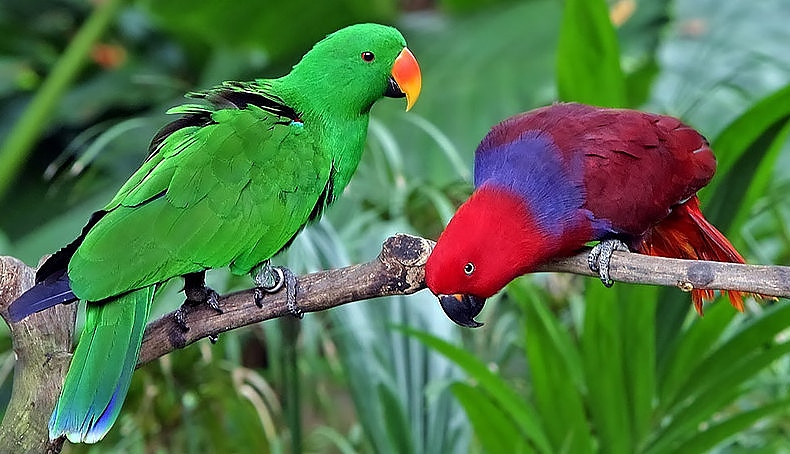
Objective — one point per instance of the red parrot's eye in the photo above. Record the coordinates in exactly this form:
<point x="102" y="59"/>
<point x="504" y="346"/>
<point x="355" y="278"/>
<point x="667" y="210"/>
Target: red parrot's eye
<point x="469" y="268"/>
<point x="368" y="56"/>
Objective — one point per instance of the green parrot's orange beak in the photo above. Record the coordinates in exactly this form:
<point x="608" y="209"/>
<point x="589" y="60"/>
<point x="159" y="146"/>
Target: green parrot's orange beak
<point x="406" y="74"/>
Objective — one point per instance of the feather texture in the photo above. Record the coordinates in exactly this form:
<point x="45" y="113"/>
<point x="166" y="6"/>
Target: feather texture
<point x="43" y="295"/>
<point x="103" y="363"/>
<point x="581" y="174"/>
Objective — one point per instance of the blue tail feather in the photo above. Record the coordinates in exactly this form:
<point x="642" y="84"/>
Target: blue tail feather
<point x="101" y="369"/>
<point x="43" y="295"/>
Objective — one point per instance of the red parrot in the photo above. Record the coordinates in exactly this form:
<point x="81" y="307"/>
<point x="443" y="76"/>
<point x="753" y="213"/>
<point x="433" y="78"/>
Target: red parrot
<point x="552" y="179"/>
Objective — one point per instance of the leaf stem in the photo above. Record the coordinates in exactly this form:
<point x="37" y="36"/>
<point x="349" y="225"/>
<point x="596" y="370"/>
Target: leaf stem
<point x="28" y="128"/>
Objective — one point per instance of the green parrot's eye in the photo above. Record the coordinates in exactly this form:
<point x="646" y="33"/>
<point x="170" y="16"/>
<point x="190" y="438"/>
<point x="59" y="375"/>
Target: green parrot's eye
<point x="368" y="56"/>
<point x="469" y="268"/>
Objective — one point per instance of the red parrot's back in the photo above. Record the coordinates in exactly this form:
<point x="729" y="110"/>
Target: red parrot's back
<point x="552" y="179"/>
<point x="636" y="166"/>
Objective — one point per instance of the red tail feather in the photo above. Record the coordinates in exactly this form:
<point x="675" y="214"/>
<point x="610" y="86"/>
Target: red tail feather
<point x="686" y="234"/>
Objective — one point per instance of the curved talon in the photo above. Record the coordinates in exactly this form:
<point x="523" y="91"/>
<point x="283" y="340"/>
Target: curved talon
<point x="212" y="300"/>
<point x="180" y="319"/>
<point x="278" y="283"/>
<point x="592" y="258"/>
<point x="196" y="292"/>
<point x="283" y="279"/>
<point x="600" y="257"/>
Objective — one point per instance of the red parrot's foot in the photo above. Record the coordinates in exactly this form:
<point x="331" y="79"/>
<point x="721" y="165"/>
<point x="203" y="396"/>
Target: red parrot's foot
<point x="196" y="293"/>
<point x="272" y="279"/>
<point x="600" y="256"/>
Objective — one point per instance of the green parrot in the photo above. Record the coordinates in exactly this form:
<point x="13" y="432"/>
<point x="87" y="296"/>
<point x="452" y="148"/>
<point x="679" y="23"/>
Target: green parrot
<point x="229" y="183"/>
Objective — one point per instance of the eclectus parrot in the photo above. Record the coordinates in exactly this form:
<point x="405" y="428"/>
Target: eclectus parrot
<point x="229" y="183"/>
<point x="552" y="179"/>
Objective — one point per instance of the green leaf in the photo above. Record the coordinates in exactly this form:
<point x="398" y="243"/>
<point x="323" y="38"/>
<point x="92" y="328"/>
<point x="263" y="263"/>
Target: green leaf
<point x="640" y="37"/>
<point x="694" y="343"/>
<point x="708" y="438"/>
<point x="637" y="306"/>
<point x="746" y="151"/>
<point x="701" y="406"/>
<point x="516" y="407"/>
<point x="702" y="440"/>
<point x="742" y="133"/>
<point x="763" y="176"/>
<point x="752" y="337"/>
<point x="556" y="374"/>
<point x="281" y="28"/>
<point x="397" y="426"/>
<point x="588" y="56"/>
<point x="618" y="352"/>
<point x="495" y="430"/>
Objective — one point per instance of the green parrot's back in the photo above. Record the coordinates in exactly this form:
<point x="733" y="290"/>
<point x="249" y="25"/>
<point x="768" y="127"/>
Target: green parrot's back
<point x="233" y="192"/>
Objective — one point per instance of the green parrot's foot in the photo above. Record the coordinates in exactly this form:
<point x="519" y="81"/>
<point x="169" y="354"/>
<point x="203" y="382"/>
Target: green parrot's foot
<point x="272" y="279"/>
<point x="601" y="255"/>
<point x="196" y="293"/>
<point x="204" y="295"/>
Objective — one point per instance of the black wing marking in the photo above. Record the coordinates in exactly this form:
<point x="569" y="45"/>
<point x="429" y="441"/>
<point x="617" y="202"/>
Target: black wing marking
<point x="229" y="95"/>
<point x="58" y="262"/>
<point x="325" y="199"/>
<point x="200" y="118"/>
<point x="239" y="95"/>
<point x="52" y="280"/>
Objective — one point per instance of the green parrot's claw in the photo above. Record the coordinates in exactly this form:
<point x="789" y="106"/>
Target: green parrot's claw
<point x="273" y="279"/>
<point x="196" y="293"/>
<point x="279" y="280"/>
<point x="601" y="255"/>
<point x="180" y="319"/>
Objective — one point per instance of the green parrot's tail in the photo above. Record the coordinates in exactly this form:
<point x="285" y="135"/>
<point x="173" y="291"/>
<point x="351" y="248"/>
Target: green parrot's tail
<point x="102" y="366"/>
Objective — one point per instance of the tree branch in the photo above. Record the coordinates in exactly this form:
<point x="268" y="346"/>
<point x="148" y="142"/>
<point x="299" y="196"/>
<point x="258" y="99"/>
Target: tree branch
<point x="687" y="275"/>
<point x="398" y="270"/>
<point x="42" y="341"/>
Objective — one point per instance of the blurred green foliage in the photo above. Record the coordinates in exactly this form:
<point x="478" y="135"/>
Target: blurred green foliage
<point x="562" y="364"/>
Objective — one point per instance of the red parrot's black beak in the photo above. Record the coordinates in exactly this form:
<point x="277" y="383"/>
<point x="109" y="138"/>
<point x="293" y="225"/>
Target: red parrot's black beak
<point x="462" y="309"/>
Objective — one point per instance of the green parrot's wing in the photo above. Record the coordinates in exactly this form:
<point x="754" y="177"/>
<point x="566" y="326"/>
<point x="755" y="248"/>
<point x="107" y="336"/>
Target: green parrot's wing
<point x="231" y="186"/>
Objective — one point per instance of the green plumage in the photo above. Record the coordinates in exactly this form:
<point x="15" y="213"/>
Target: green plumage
<point x="106" y="353"/>
<point x="228" y="184"/>
<point x="229" y="193"/>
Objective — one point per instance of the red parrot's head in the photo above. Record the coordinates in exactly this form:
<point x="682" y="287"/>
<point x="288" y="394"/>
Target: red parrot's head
<point x="491" y="240"/>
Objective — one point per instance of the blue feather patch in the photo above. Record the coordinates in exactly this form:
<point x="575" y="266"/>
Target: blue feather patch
<point x="534" y="168"/>
<point x="42" y="296"/>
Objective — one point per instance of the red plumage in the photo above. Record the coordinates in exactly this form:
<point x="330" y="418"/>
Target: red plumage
<point x="686" y="234"/>
<point x="582" y="174"/>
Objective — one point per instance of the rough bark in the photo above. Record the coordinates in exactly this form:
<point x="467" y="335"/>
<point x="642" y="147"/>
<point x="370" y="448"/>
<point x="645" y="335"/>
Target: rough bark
<point x="42" y="341"/>
<point x="42" y="344"/>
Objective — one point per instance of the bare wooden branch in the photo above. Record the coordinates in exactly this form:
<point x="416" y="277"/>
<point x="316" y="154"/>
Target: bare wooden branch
<point x="687" y="275"/>
<point x="42" y="341"/>
<point x="398" y="270"/>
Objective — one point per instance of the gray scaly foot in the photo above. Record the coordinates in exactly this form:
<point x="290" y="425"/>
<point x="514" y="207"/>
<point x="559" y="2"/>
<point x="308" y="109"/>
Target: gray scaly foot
<point x="272" y="279"/>
<point x="600" y="256"/>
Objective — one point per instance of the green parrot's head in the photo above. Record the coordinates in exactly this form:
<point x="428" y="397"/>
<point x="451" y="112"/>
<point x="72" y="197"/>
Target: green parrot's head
<point x="354" y="67"/>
